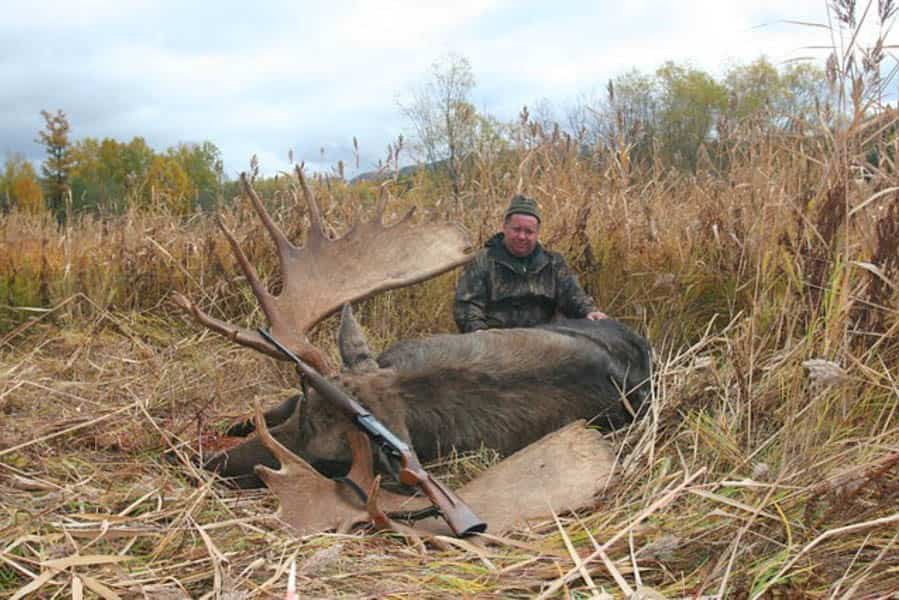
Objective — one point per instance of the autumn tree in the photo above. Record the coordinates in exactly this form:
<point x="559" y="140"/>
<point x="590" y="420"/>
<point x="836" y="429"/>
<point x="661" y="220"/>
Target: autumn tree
<point x="669" y="116"/>
<point x="108" y="175"/>
<point x="443" y="117"/>
<point x="19" y="186"/>
<point x="57" y="166"/>
<point x="763" y="96"/>
<point x="203" y="165"/>
<point x="624" y="119"/>
<point x="690" y="102"/>
<point x="167" y="187"/>
<point x="665" y="116"/>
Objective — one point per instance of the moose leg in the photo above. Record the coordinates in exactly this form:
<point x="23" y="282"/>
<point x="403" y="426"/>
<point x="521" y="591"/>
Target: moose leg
<point x="236" y="464"/>
<point x="273" y="418"/>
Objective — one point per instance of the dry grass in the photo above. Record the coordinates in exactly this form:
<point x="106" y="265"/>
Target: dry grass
<point x="806" y="502"/>
<point x="754" y="474"/>
<point x="769" y="466"/>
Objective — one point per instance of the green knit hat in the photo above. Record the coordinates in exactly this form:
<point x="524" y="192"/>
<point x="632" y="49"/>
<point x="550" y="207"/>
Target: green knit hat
<point x="522" y="205"/>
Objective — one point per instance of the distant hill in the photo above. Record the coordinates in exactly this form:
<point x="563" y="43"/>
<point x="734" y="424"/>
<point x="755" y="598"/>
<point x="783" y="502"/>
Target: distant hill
<point x="382" y="174"/>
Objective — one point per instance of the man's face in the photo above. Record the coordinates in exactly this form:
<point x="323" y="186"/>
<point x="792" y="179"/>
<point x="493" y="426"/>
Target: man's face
<point x="520" y="234"/>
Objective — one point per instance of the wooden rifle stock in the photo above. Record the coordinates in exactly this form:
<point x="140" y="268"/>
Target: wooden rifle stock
<point x="458" y="515"/>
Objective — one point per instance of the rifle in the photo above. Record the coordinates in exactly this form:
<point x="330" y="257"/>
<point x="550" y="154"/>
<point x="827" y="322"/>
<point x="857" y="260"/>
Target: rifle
<point x="459" y="516"/>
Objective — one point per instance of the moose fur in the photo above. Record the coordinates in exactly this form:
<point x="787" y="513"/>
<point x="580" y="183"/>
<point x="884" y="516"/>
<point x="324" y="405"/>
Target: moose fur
<point x="500" y="389"/>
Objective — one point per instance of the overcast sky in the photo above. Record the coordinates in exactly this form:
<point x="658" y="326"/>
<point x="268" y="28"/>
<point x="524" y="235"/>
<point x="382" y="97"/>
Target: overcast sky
<point x="267" y="77"/>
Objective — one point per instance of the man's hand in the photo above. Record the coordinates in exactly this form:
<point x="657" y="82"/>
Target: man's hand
<point x="597" y="315"/>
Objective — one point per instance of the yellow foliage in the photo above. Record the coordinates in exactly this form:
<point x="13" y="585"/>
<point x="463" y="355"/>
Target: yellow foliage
<point x="27" y="194"/>
<point x="168" y="186"/>
<point x="21" y="186"/>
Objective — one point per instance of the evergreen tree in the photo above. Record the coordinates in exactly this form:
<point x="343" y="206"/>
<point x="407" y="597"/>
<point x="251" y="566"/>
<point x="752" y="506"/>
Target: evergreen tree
<point x="57" y="166"/>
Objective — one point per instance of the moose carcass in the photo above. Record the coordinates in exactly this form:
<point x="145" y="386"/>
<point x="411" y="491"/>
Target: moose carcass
<point x="500" y="389"/>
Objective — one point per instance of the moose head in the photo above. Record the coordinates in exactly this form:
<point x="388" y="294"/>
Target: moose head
<point x="502" y="389"/>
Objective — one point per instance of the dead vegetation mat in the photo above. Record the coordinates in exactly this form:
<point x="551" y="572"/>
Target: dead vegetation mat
<point x="103" y="421"/>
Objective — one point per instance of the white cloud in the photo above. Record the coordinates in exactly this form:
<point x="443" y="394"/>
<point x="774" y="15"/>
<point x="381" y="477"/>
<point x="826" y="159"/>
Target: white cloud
<point x="405" y="24"/>
<point x="281" y="74"/>
<point x="65" y="14"/>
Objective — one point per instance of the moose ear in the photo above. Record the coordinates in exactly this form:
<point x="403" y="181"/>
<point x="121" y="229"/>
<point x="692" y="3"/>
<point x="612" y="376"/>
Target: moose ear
<point x="354" y="351"/>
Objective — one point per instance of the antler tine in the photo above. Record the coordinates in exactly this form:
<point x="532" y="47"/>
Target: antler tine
<point x="284" y="456"/>
<point x="316" y="232"/>
<point x="278" y="236"/>
<point x="325" y="274"/>
<point x="378" y="517"/>
<point x="238" y="335"/>
<point x="382" y="521"/>
<point x="362" y="468"/>
<point x="265" y="299"/>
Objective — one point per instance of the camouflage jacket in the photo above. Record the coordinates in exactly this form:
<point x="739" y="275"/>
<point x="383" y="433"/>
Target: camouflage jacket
<point x="498" y="290"/>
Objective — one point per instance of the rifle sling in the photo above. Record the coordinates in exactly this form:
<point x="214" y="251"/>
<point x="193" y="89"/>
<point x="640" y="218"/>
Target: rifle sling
<point x="401" y="515"/>
<point x="353" y="486"/>
<point x="370" y="425"/>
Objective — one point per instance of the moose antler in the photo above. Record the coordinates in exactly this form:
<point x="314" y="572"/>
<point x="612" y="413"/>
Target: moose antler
<point x="325" y="274"/>
<point x="562" y="471"/>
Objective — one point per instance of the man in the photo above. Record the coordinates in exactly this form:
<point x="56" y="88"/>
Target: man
<point x="515" y="282"/>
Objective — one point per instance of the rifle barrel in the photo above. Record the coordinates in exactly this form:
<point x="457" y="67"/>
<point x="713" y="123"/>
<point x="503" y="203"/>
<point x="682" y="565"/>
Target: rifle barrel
<point x="460" y="518"/>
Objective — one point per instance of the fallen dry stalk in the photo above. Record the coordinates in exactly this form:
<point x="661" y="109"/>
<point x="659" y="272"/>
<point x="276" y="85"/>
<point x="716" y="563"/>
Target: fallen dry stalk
<point x="666" y="499"/>
<point x="69" y="430"/>
<point x="894" y="518"/>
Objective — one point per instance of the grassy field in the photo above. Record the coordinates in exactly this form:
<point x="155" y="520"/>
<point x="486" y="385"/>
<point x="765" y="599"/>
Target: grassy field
<point x="769" y="466"/>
